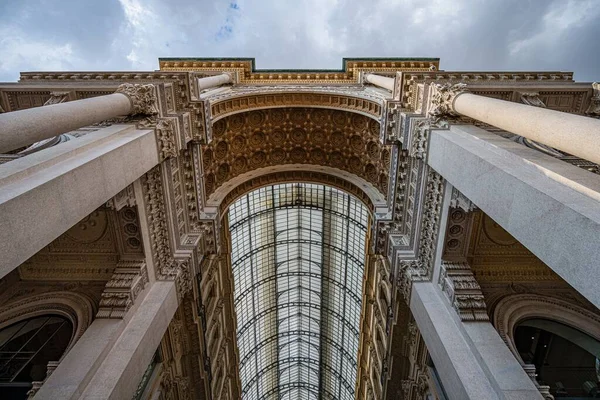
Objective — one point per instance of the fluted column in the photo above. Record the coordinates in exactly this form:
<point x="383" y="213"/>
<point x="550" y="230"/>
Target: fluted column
<point x="213" y="81"/>
<point x="381" y="81"/>
<point x="24" y="127"/>
<point x="573" y="134"/>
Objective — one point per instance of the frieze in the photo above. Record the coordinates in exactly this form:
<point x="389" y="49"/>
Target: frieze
<point x="594" y="107"/>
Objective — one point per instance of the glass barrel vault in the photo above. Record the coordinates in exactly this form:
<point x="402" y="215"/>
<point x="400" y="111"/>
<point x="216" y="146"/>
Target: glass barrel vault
<point x="298" y="255"/>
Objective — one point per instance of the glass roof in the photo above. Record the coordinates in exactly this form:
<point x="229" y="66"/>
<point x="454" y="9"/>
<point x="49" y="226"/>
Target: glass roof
<point x="298" y="254"/>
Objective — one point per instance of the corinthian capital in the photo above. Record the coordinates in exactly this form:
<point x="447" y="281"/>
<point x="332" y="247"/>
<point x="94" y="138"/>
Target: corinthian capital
<point x="442" y="100"/>
<point x="142" y="98"/>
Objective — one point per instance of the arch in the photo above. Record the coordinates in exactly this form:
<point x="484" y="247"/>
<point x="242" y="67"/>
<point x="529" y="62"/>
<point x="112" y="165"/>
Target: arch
<point x="512" y="310"/>
<point x="236" y="187"/>
<point x="348" y="144"/>
<point x="365" y="103"/>
<point x="76" y="307"/>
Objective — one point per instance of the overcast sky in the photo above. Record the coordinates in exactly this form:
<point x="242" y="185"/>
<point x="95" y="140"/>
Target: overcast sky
<point x="51" y="35"/>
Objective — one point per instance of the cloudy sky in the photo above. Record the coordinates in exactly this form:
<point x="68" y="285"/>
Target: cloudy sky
<point x="465" y="34"/>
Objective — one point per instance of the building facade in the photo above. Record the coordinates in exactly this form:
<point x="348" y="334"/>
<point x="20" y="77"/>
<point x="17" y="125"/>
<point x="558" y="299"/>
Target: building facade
<point x="389" y="230"/>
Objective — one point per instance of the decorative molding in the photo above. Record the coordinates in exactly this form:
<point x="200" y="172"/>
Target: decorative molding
<point x="76" y="307"/>
<point x="142" y="97"/>
<point x="463" y="291"/>
<point x="166" y="131"/>
<point x="410" y="271"/>
<point x="128" y="280"/>
<point x="594" y="107"/>
<point x="258" y="139"/>
<point x="442" y="99"/>
<point x="125" y="198"/>
<point x="459" y="200"/>
<point x="337" y="101"/>
<point x="57" y="97"/>
<point x="420" y="132"/>
<point x="531" y="99"/>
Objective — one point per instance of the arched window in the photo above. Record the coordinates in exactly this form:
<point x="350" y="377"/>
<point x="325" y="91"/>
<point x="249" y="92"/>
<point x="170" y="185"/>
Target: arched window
<point x="26" y="347"/>
<point x="565" y="358"/>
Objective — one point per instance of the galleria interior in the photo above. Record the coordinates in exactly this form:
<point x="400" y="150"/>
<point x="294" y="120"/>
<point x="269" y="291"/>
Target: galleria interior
<point x="212" y="231"/>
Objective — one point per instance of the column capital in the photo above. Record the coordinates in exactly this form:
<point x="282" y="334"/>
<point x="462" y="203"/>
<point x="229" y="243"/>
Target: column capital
<point x="442" y="99"/>
<point x="142" y="97"/>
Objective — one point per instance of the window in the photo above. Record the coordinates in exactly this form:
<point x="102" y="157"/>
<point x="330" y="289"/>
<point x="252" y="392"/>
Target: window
<point x="25" y="349"/>
<point x="298" y="254"/>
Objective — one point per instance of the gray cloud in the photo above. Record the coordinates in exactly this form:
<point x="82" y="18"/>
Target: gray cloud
<point x="465" y="34"/>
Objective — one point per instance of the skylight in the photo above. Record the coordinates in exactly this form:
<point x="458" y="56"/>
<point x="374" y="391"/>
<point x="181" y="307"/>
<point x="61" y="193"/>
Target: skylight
<point x="298" y="254"/>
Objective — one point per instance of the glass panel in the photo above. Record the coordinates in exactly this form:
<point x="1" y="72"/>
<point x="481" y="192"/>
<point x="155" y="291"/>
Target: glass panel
<point x="298" y="253"/>
<point x="28" y="345"/>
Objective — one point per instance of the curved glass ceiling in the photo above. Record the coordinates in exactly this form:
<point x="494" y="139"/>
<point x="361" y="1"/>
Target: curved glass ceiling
<point x="298" y="254"/>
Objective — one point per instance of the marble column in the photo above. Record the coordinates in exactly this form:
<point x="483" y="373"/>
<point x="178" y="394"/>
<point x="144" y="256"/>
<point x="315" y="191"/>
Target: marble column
<point x="110" y="358"/>
<point x="24" y="127"/>
<point x="213" y="81"/>
<point x="471" y="359"/>
<point x="44" y="194"/>
<point x="381" y="81"/>
<point x="121" y="371"/>
<point x="549" y="206"/>
<point x="574" y="134"/>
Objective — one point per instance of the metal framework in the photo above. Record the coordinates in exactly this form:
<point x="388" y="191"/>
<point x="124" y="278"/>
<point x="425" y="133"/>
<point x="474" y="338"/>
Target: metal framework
<point x="298" y="253"/>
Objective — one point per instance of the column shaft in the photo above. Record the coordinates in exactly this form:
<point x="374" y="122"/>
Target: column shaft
<point x="573" y="134"/>
<point x="24" y="127"/>
<point x="549" y="206"/>
<point x="213" y="81"/>
<point x="79" y="365"/>
<point x="381" y="81"/>
<point x="471" y="359"/>
<point x="121" y="371"/>
<point x="44" y="194"/>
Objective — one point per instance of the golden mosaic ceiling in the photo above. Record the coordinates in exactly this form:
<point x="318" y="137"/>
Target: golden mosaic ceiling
<point x="339" y="139"/>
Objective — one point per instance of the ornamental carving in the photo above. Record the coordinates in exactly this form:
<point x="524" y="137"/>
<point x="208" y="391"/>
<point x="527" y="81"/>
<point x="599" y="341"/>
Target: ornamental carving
<point x="442" y="99"/>
<point x="532" y="99"/>
<point x="262" y="138"/>
<point x="128" y="280"/>
<point x="594" y="107"/>
<point x="165" y="136"/>
<point x="463" y="291"/>
<point x="142" y="97"/>
<point x="430" y="224"/>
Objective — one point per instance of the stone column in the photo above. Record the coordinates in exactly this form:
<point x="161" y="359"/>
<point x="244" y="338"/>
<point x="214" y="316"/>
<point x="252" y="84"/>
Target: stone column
<point x="573" y="134"/>
<point x="24" y="127"/>
<point x="46" y="193"/>
<point x="470" y="357"/>
<point x="111" y="357"/>
<point x="121" y="371"/>
<point x="381" y="81"/>
<point x="549" y="206"/>
<point x="213" y="81"/>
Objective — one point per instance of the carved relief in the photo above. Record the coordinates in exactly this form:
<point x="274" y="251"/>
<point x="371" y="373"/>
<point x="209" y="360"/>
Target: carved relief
<point x="463" y="291"/>
<point x="495" y="256"/>
<point x="87" y="251"/>
<point x="142" y="97"/>
<point x="594" y="107"/>
<point x="458" y="233"/>
<point x="128" y="280"/>
<point x="442" y="99"/>
<point x="292" y="136"/>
